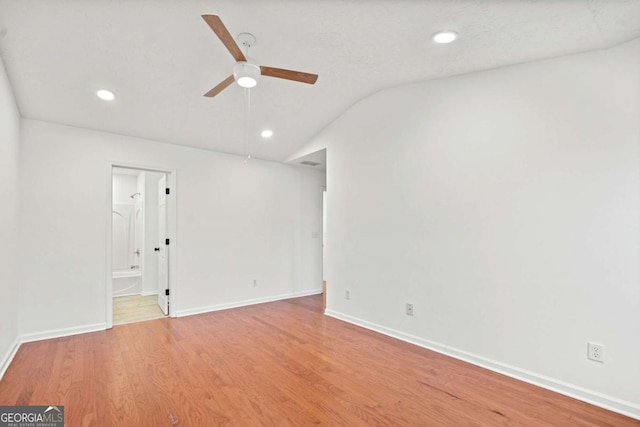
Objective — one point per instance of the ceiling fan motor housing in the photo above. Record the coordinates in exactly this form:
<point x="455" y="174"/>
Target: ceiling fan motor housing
<point x="247" y="74"/>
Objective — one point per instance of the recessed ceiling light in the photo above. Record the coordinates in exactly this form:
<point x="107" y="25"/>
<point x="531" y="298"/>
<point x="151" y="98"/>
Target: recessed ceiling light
<point x="267" y="133"/>
<point x="444" y="36"/>
<point x="107" y="95"/>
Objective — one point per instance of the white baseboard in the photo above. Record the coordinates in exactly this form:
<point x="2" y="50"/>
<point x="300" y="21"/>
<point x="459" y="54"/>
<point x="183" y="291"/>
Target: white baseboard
<point x="129" y="294"/>
<point x="8" y="358"/>
<point x="598" y="399"/>
<point x="141" y="293"/>
<point x="57" y="333"/>
<point x="226" y="306"/>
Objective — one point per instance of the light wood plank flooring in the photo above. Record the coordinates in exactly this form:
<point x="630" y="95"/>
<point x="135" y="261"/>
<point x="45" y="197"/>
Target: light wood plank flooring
<point x="276" y="364"/>
<point x="135" y="308"/>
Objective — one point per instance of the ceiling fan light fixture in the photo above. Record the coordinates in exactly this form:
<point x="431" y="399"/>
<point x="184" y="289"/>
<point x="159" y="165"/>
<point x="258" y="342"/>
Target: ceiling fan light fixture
<point x="444" y="37"/>
<point x="246" y="74"/>
<point x="247" y="82"/>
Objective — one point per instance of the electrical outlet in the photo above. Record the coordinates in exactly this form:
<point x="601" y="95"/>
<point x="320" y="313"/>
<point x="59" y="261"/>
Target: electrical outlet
<point x="255" y="283"/>
<point x="595" y="352"/>
<point x="409" y="309"/>
<point x="347" y="294"/>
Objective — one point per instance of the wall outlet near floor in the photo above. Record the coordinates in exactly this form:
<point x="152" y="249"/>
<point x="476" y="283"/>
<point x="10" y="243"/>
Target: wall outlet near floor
<point x="347" y="294"/>
<point x="595" y="352"/>
<point x="409" y="309"/>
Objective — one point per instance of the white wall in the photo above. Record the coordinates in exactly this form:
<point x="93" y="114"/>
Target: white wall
<point x="235" y="223"/>
<point x="505" y="205"/>
<point x="9" y="249"/>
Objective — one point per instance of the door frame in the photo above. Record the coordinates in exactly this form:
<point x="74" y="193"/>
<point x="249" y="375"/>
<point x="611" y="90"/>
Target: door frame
<point x="171" y="233"/>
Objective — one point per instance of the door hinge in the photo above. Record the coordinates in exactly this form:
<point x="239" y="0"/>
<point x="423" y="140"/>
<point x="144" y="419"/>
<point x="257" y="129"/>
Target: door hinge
<point x="167" y="191"/>
<point x="166" y="242"/>
<point x="156" y="249"/>
<point x="166" y="292"/>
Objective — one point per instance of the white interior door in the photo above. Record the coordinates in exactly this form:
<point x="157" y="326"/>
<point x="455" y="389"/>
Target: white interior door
<point x="163" y="254"/>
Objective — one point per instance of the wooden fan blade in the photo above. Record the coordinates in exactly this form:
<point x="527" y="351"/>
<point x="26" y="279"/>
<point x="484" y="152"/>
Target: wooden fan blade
<point x="296" y="76"/>
<point x="223" y="34"/>
<point x="221" y="86"/>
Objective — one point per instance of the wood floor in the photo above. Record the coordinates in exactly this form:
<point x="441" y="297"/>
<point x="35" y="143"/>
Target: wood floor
<point x="276" y="364"/>
<point x="135" y="308"/>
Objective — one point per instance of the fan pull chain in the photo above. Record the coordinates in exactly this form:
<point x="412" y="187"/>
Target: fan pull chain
<point x="247" y="117"/>
<point x="247" y="114"/>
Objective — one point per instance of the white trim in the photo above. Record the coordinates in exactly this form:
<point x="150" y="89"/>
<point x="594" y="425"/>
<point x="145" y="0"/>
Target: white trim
<point x="108" y="265"/>
<point x="141" y="293"/>
<point x="130" y="294"/>
<point x="126" y="274"/>
<point x="598" y="399"/>
<point x="65" y="332"/>
<point x="148" y="293"/>
<point x="8" y="358"/>
<point x="226" y="306"/>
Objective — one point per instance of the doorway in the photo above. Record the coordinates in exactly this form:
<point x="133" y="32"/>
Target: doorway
<point x="138" y="257"/>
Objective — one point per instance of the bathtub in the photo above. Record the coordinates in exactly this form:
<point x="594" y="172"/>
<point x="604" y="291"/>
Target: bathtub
<point x="127" y="282"/>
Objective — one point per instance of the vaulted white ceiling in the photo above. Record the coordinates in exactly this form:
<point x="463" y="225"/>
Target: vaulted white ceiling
<point x="160" y="57"/>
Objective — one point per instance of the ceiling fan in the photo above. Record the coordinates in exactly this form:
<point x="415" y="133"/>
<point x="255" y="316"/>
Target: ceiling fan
<point x="246" y="73"/>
